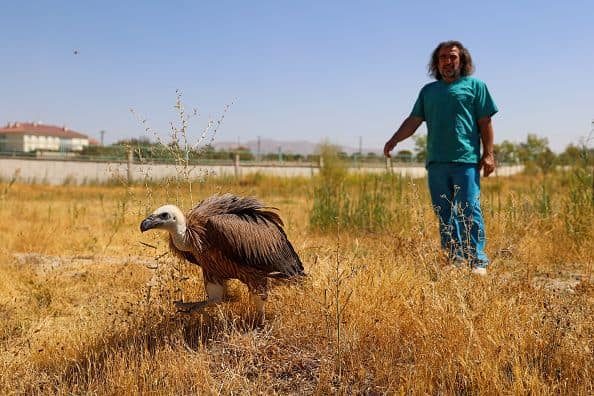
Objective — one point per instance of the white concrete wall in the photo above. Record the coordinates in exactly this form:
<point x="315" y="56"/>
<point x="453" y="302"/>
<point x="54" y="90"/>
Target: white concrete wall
<point x="79" y="172"/>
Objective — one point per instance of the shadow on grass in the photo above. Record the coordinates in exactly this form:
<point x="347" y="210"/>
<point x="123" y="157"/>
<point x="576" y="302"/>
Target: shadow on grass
<point x="149" y="334"/>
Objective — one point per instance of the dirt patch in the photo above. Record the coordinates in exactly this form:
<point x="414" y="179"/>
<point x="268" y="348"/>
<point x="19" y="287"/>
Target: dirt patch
<point x="45" y="264"/>
<point x="562" y="282"/>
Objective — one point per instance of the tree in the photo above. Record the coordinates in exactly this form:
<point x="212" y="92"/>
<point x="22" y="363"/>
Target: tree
<point x="420" y="147"/>
<point x="404" y="156"/>
<point x="534" y="146"/>
<point x="244" y="153"/>
<point x="507" y="152"/>
<point x="140" y="141"/>
<point x="371" y="157"/>
<point x="546" y="160"/>
<point x="575" y="155"/>
<point x="535" y="152"/>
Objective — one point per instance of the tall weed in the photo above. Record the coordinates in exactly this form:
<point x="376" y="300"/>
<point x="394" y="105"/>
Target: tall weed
<point x="578" y="205"/>
<point x="357" y="202"/>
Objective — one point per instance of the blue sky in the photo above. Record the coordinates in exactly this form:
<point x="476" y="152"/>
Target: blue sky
<point x="294" y="70"/>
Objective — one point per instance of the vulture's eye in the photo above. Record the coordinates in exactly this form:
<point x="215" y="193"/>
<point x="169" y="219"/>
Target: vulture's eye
<point x="164" y="216"/>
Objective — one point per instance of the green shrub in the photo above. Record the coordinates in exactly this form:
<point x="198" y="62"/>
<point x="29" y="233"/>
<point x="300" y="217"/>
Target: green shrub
<point x="359" y="202"/>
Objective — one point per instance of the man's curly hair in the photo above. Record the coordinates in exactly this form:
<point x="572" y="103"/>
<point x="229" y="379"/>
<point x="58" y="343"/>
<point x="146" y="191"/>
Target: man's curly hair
<point x="466" y="65"/>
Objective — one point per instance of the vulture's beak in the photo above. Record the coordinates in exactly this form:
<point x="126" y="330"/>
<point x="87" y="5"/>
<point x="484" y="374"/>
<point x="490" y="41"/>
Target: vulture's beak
<point x="148" y="223"/>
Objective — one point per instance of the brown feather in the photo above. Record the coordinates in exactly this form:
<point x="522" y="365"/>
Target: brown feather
<point x="239" y="238"/>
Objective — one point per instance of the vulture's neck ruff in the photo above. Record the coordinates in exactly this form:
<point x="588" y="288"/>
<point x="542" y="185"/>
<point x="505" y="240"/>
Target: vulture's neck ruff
<point x="172" y="219"/>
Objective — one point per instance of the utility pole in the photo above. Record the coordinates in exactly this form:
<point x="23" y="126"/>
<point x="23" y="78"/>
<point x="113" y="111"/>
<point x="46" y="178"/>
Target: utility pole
<point x="258" y="155"/>
<point x="102" y="133"/>
<point x="360" y="150"/>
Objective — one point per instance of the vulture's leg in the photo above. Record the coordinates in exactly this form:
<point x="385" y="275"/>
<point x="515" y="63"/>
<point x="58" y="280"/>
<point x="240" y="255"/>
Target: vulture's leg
<point x="259" y="302"/>
<point x="215" y="293"/>
<point x="258" y="295"/>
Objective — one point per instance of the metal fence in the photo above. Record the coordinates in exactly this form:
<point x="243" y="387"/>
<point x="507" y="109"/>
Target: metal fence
<point x="85" y="169"/>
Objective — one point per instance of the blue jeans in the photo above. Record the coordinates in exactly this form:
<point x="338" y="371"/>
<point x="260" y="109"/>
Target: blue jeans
<point x="455" y="191"/>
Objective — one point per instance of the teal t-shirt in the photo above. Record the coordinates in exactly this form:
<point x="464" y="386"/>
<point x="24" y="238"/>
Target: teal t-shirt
<point x="451" y="112"/>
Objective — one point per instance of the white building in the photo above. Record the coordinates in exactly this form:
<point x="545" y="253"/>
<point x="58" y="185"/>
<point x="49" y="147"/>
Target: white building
<point x="27" y="137"/>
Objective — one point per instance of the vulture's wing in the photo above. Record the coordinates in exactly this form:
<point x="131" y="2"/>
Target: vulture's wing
<point x="255" y="241"/>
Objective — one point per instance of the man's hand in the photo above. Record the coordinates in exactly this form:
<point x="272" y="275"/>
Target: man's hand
<point x="389" y="146"/>
<point x="487" y="164"/>
<point x="408" y="127"/>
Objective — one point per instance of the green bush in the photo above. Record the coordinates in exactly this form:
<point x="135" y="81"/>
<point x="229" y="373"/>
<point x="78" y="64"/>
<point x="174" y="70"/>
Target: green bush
<point x="578" y="206"/>
<point x="358" y="202"/>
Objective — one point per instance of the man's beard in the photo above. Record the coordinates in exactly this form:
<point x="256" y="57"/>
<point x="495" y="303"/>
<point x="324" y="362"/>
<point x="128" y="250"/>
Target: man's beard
<point x="451" y="74"/>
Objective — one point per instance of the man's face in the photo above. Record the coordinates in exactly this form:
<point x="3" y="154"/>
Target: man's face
<point x="449" y="63"/>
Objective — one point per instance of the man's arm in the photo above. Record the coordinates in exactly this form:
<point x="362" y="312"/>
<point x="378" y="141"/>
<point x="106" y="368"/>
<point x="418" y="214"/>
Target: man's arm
<point x="408" y="127"/>
<point x="487" y="163"/>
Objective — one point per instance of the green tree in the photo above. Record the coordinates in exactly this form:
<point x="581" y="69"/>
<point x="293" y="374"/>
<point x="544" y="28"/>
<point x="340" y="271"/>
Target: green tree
<point x="535" y="154"/>
<point x="507" y="152"/>
<point x="546" y="160"/>
<point x="573" y="155"/>
<point x="371" y="157"/>
<point x="420" y="147"/>
<point x="404" y="156"/>
<point x="533" y="147"/>
<point x="244" y="153"/>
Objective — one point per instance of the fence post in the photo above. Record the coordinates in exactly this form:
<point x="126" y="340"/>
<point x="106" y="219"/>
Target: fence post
<point x="130" y="161"/>
<point x="236" y="165"/>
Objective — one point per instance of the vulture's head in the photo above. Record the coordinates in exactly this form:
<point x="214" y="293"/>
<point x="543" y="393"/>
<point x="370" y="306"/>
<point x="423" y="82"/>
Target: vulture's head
<point x="168" y="217"/>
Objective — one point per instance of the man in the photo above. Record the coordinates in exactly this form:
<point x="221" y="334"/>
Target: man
<point x="457" y="109"/>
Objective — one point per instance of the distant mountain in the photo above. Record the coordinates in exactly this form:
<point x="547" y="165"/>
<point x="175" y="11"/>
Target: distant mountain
<point x="268" y="146"/>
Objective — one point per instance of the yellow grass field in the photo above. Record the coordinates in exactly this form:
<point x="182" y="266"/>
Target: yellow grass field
<point x="86" y="302"/>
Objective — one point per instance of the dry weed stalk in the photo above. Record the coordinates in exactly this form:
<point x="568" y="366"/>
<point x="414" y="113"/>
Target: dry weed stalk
<point x="8" y="186"/>
<point x="336" y="296"/>
<point x="180" y="147"/>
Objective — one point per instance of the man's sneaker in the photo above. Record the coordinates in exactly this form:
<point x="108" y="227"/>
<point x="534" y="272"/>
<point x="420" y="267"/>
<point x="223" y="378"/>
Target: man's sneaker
<point x="457" y="261"/>
<point x="481" y="271"/>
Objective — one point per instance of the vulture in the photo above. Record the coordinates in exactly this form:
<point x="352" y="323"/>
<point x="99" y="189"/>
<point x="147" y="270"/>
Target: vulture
<point x="229" y="237"/>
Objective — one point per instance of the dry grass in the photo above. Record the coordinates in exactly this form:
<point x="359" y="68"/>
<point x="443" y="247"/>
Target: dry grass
<point x="90" y="311"/>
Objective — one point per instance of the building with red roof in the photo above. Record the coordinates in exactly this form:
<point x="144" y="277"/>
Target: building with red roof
<point x="35" y="136"/>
